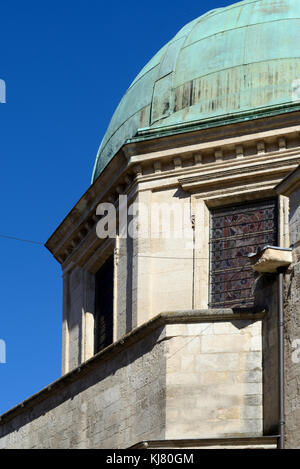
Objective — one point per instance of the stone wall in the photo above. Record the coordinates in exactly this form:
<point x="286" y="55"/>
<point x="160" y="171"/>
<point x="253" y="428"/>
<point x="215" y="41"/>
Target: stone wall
<point x="171" y="378"/>
<point x="295" y="216"/>
<point x="266" y="299"/>
<point x="292" y="354"/>
<point x="124" y="286"/>
<point x="78" y="318"/>
<point x="112" y="403"/>
<point x="292" y="330"/>
<point x="75" y="305"/>
<point x="214" y="380"/>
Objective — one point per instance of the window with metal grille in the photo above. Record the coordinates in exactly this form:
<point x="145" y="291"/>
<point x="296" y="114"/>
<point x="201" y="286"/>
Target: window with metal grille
<point x="104" y="286"/>
<point x="235" y="232"/>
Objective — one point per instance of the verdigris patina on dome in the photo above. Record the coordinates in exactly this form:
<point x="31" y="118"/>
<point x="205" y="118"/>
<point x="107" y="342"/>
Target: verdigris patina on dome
<point x="244" y="57"/>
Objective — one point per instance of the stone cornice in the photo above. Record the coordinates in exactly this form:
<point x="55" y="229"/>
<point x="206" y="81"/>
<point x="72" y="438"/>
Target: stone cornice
<point x="224" y="143"/>
<point x="275" y="152"/>
<point x="193" y="443"/>
<point x="269" y="113"/>
<point x="290" y="183"/>
<point x="259" y="170"/>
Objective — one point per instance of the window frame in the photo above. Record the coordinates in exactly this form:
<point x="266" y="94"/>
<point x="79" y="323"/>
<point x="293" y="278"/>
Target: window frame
<point x="201" y="206"/>
<point x="254" y="205"/>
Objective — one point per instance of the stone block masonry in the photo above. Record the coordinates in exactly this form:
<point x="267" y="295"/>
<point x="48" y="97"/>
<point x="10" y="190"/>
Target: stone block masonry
<point x="144" y="387"/>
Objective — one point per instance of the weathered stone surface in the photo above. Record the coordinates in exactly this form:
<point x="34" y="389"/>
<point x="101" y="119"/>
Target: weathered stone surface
<point x="209" y="386"/>
<point x="292" y="344"/>
<point x="266" y="298"/>
<point x="295" y="216"/>
<point x="290" y="187"/>
<point x="270" y="259"/>
<point x="169" y="383"/>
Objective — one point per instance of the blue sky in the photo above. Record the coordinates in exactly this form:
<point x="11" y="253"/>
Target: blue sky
<point x="66" y="65"/>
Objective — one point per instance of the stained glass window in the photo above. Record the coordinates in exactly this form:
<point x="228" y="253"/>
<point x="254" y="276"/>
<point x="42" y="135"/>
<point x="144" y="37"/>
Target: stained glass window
<point x="235" y="232"/>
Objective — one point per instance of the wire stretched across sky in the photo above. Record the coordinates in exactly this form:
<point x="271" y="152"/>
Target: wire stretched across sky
<point x="15" y="238"/>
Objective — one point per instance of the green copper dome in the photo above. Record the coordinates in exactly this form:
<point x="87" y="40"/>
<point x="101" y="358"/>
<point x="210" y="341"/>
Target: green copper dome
<point x="240" y="58"/>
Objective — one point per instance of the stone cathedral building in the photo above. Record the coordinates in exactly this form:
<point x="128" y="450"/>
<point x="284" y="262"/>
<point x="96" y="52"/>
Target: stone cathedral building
<point x="177" y="338"/>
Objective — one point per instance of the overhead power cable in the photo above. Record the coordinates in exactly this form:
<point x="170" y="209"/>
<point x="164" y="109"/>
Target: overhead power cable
<point x="15" y="238"/>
